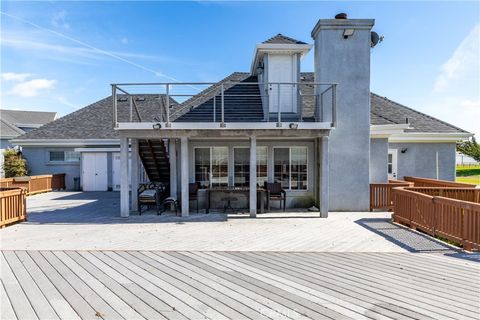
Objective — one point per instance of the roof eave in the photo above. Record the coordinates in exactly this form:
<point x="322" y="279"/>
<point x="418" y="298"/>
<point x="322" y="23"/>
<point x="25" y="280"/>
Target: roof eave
<point x="262" y="48"/>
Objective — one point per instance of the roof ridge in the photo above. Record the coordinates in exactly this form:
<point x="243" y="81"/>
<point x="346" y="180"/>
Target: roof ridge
<point x="280" y="36"/>
<point x="418" y="112"/>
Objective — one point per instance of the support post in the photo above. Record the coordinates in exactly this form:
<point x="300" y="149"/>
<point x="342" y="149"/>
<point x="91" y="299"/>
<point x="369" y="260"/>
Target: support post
<point x="134" y="174"/>
<point x="253" y="176"/>
<point x="184" y="174"/>
<point x="124" y="194"/>
<point x="172" y="154"/>
<point x="324" y="183"/>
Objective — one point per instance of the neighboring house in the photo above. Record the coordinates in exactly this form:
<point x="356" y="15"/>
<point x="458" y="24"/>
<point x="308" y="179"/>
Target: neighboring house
<point x="14" y="123"/>
<point x="323" y="135"/>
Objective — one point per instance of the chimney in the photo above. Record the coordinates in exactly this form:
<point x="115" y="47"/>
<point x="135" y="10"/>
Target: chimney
<point x="342" y="55"/>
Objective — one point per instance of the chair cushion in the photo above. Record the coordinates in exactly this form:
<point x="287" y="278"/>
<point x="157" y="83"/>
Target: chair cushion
<point x="148" y="193"/>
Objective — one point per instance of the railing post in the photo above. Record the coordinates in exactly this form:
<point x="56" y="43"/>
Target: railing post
<point x="279" y="117"/>
<point x="114" y="98"/>
<point x="214" y="108"/>
<point x="131" y="109"/>
<point x="167" y="105"/>
<point x="334" y="105"/>
<point x="222" y="124"/>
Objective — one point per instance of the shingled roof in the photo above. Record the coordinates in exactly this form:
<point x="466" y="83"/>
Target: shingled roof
<point x="17" y="117"/>
<point x="96" y="121"/>
<point x="8" y="130"/>
<point x="280" y="38"/>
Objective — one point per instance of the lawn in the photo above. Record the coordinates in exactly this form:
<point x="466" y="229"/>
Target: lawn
<point x="468" y="174"/>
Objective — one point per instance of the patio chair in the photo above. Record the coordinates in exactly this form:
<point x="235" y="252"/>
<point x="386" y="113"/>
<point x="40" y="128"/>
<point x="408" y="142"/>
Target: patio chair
<point x="193" y="192"/>
<point x="150" y="195"/>
<point x="275" y="192"/>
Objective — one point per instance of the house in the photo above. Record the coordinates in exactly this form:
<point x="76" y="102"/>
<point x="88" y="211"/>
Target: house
<point x="14" y="123"/>
<point x="323" y="135"/>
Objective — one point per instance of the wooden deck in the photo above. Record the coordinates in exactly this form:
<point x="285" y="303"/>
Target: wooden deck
<point x="237" y="285"/>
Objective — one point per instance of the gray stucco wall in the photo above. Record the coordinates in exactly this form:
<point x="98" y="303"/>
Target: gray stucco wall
<point x="347" y="62"/>
<point x="378" y="160"/>
<point x="419" y="160"/>
<point x="38" y="163"/>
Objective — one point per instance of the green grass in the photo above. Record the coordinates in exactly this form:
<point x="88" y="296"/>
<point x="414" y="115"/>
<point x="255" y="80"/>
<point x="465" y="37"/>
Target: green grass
<point x="468" y="174"/>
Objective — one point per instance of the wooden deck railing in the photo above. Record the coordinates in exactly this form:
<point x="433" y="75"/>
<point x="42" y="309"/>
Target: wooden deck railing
<point x="455" y="220"/>
<point x="465" y="194"/>
<point x="12" y="205"/>
<point x="426" y="182"/>
<point x="36" y="184"/>
<point x="381" y="194"/>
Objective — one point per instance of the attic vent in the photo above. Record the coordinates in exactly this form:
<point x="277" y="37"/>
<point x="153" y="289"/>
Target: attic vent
<point x="140" y="98"/>
<point x="122" y="99"/>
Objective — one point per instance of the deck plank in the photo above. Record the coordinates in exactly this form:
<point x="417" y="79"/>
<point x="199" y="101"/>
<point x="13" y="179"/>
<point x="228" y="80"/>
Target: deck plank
<point x="40" y="304"/>
<point x="20" y="303"/>
<point x="57" y="301"/>
<point x="236" y="285"/>
<point x="7" y="312"/>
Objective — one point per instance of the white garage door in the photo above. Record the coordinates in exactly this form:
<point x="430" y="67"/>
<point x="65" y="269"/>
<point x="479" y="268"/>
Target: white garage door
<point x="94" y="171"/>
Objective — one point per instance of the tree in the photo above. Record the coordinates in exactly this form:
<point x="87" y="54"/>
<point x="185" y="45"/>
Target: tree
<point x="470" y="148"/>
<point x="14" y="164"/>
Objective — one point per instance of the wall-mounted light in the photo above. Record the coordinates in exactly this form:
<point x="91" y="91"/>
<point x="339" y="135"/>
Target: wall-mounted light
<point x="348" y="33"/>
<point x="404" y="150"/>
<point x="293" y="125"/>
<point x="157" y="126"/>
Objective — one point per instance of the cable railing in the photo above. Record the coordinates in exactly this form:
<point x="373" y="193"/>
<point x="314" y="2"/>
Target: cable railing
<point x="230" y="101"/>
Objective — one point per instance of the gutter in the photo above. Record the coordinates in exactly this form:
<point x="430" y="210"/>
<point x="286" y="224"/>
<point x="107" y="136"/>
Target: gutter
<point x="65" y="142"/>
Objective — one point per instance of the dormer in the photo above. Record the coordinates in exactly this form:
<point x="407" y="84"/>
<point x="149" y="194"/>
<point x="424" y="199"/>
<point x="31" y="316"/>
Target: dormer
<point x="277" y="60"/>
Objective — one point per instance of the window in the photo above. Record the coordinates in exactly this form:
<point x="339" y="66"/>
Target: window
<point x="211" y="166"/>
<point x="242" y="166"/>
<point x="64" y="156"/>
<point x="290" y="167"/>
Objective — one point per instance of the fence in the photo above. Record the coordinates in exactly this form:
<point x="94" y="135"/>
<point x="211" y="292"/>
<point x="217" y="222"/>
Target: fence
<point x="12" y="205"/>
<point x="36" y="184"/>
<point x="426" y="182"/>
<point x="381" y="194"/>
<point x="455" y="220"/>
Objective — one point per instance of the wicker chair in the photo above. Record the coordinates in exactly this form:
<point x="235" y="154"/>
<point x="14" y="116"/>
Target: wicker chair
<point x="151" y="195"/>
<point x="275" y="192"/>
<point x="193" y="192"/>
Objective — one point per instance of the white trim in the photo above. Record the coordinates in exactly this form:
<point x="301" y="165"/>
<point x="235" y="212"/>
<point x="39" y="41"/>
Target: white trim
<point x="262" y="48"/>
<point x="97" y="149"/>
<point x="65" y="142"/>
<point x="386" y="130"/>
<point x="429" y="137"/>
<point x="228" y="126"/>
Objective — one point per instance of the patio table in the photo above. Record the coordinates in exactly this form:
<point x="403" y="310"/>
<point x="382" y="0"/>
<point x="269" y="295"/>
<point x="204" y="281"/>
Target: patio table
<point x="260" y="193"/>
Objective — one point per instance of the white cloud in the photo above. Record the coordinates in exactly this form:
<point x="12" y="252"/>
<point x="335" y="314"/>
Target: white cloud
<point x="13" y="76"/>
<point x="462" y="63"/>
<point x="124" y="40"/>
<point x="64" y="101"/>
<point x="59" y="20"/>
<point x="32" y="87"/>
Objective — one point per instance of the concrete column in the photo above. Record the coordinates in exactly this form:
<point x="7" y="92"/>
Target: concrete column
<point x="324" y="185"/>
<point x="135" y="173"/>
<point x="253" y="177"/>
<point x="124" y="194"/>
<point x="184" y="175"/>
<point x="172" y="154"/>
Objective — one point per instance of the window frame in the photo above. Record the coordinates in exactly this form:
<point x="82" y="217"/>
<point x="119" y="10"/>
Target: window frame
<point x="210" y="148"/>
<point x="290" y="167"/>
<point x="64" y="161"/>
<point x="247" y="147"/>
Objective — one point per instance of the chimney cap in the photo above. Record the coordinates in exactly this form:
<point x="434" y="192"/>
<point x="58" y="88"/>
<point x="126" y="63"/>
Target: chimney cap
<point x="341" y="16"/>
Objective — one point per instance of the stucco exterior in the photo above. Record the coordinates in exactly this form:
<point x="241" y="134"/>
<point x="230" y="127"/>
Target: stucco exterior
<point x="419" y="159"/>
<point x="378" y="160"/>
<point x="347" y="62"/>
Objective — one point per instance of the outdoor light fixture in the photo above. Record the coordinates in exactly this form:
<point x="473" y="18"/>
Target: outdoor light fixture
<point x="404" y="150"/>
<point x="157" y="126"/>
<point x="348" y="33"/>
<point x="293" y="125"/>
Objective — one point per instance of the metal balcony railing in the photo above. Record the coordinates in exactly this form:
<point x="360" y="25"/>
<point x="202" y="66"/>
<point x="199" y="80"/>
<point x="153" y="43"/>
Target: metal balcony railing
<point x="224" y="102"/>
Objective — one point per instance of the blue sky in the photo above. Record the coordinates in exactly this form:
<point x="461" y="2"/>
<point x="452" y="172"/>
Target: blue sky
<point x="429" y="59"/>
